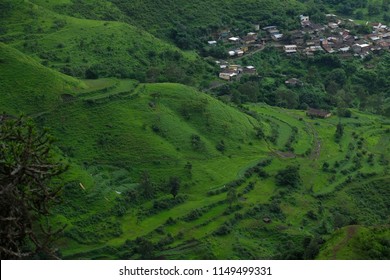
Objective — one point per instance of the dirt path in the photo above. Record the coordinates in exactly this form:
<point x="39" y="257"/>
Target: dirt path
<point x="284" y="155"/>
<point x="316" y="149"/>
<point x="351" y="232"/>
<point x="214" y="86"/>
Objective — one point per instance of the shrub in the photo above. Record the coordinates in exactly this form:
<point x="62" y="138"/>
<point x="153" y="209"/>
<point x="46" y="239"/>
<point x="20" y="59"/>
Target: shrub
<point x="193" y="215"/>
<point x="288" y="177"/>
<point x="221" y="146"/>
<point x="223" y="230"/>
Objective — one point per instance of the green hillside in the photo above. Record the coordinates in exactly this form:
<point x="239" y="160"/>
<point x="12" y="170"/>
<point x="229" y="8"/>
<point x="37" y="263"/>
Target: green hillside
<point x="127" y="143"/>
<point x="205" y="14"/>
<point x="158" y="128"/>
<point x="150" y="123"/>
<point x="363" y="11"/>
<point x="113" y="136"/>
<point x="358" y="243"/>
<point x="92" y="48"/>
<point x="27" y="86"/>
<point x="159" y="169"/>
<point x="187" y="23"/>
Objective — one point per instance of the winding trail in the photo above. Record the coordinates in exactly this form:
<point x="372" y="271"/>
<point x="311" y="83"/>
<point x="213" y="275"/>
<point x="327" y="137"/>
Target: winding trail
<point x="316" y="150"/>
<point x="316" y="147"/>
<point x="351" y="232"/>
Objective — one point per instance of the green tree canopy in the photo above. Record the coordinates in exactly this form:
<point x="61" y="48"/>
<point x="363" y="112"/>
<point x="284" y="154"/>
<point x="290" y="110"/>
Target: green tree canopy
<point x="288" y="177"/>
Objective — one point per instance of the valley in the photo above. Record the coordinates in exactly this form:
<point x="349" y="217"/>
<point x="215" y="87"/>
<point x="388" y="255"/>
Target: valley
<point x="167" y="161"/>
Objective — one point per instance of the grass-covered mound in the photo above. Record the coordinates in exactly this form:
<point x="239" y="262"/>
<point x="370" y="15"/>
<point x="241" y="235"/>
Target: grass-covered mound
<point x="28" y="87"/>
<point x="151" y="125"/>
<point x="92" y="48"/>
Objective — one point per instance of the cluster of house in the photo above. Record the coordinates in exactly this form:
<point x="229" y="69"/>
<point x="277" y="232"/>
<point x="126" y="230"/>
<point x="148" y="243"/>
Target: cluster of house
<point x="251" y="41"/>
<point x="239" y="46"/>
<point x="231" y="72"/>
<point x="273" y="32"/>
<point x="332" y="38"/>
<point x="311" y="38"/>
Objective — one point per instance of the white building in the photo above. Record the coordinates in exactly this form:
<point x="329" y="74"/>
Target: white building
<point x="290" y="49"/>
<point x="277" y="36"/>
<point x="304" y="18"/>
<point x="345" y="49"/>
<point x="239" y="52"/>
<point x="228" y="75"/>
<point x="234" y="39"/>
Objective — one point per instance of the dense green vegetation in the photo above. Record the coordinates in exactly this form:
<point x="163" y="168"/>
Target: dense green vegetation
<point x="159" y="169"/>
<point x="358" y="243"/>
<point x="373" y="10"/>
<point x="92" y="48"/>
<point x="187" y="23"/>
<point x="328" y="82"/>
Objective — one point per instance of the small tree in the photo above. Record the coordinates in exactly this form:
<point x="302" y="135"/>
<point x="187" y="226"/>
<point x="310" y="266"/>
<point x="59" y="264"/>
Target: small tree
<point x="174" y="183"/>
<point x="260" y="133"/>
<point x="231" y="196"/>
<point x="26" y="192"/>
<point x="188" y="167"/>
<point x="221" y="146"/>
<point x="197" y="143"/>
<point x="145" y="248"/>
<point x="288" y="177"/>
<point x="339" y="132"/>
<point x="147" y="185"/>
<point x="312" y="247"/>
<point x="325" y="166"/>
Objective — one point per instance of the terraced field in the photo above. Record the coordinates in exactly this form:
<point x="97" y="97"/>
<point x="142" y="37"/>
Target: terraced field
<point x="162" y="170"/>
<point x="201" y="222"/>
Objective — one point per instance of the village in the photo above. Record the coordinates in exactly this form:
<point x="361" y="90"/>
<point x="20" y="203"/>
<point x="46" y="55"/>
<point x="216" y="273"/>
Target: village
<point x="335" y="37"/>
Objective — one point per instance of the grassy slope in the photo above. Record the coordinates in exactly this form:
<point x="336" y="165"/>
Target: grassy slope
<point x="112" y="135"/>
<point x="112" y="48"/>
<point x="91" y="9"/>
<point x="133" y="117"/>
<point x="26" y="86"/>
<point x="113" y="130"/>
<point x="187" y="23"/>
<point x="357" y="243"/>
<point x="117" y="135"/>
